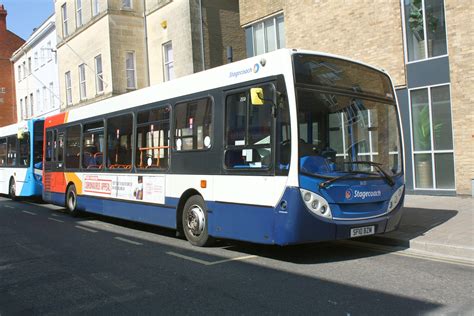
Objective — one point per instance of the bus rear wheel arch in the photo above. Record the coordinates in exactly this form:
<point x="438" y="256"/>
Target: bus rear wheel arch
<point x="194" y="221"/>
<point x="71" y="200"/>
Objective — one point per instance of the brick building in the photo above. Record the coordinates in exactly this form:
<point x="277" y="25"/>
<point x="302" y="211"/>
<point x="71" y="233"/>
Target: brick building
<point x="425" y="45"/>
<point x="9" y="42"/>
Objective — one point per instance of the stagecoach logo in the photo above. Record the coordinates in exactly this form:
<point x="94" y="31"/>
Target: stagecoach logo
<point x="362" y="194"/>
<point x="254" y="69"/>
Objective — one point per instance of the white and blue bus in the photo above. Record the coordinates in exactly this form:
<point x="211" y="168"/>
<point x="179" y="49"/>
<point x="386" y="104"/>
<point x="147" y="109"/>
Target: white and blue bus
<point x="21" y="147"/>
<point x="288" y="147"/>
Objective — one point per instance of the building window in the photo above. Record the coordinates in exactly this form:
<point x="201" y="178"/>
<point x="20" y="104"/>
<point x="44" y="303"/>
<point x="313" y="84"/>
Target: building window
<point x="64" y="17"/>
<point x="82" y="81"/>
<point x="265" y="36"/>
<point x="130" y="70"/>
<point x="95" y="7"/>
<point x="19" y="73"/>
<point x="49" y="52"/>
<point x="51" y="95"/>
<point x="67" y="80"/>
<point x="78" y="13"/>
<point x="99" y="76"/>
<point x="36" y="60"/>
<point x="126" y="4"/>
<point x="432" y="138"/>
<point x="29" y="65"/>
<point x="26" y="107"/>
<point x="43" y="58"/>
<point x="168" y="61"/>
<point x="38" y="101"/>
<point x="32" y="104"/>
<point x="22" y="109"/>
<point x="425" y="29"/>
<point x="45" y="98"/>
<point x="25" y="71"/>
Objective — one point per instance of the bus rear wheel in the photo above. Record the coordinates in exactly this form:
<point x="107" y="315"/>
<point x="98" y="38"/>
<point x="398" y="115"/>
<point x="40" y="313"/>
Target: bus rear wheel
<point x="195" y="224"/>
<point x="12" y="190"/>
<point x="71" y="201"/>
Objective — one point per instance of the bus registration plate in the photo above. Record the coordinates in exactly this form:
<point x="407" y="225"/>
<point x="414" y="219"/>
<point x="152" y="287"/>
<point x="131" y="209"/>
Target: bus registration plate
<point x="362" y="231"/>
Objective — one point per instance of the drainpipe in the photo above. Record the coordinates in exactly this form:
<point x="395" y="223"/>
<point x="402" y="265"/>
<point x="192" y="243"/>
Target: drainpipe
<point x="202" y="36"/>
<point x="147" y="62"/>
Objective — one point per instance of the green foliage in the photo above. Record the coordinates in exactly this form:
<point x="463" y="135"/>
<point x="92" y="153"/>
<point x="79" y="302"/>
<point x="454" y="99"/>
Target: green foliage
<point x="422" y="129"/>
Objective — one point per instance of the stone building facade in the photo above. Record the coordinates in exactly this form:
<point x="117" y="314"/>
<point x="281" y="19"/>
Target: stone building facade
<point x="110" y="47"/>
<point x="187" y="36"/>
<point x="425" y="45"/>
<point x="9" y="42"/>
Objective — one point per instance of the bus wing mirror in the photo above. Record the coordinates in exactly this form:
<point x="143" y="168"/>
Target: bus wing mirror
<point x="256" y="96"/>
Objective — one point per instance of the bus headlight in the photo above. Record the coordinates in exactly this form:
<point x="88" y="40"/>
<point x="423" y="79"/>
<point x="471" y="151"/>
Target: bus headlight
<point x="395" y="199"/>
<point x="316" y="203"/>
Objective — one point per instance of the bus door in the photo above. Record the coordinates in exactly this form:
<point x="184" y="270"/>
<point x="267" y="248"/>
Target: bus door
<point x="54" y="161"/>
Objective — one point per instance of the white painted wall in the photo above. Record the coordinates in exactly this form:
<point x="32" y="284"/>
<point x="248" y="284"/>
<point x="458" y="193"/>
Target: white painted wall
<point x="41" y="81"/>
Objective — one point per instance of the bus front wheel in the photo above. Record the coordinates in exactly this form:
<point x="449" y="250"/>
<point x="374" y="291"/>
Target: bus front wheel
<point x="71" y="201"/>
<point x="12" y="190"/>
<point x="194" y="220"/>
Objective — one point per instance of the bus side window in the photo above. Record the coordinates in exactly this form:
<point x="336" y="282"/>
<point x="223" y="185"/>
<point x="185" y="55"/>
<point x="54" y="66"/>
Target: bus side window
<point x="12" y="150"/>
<point x="249" y="130"/>
<point x="119" y="142"/>
<point x="25" y="150"/>
<point x="49" y="146"/>
<point x="93" y="145"/>
<point x="153" y="136"/>
<point x="3" y="151"/>
<point x="73" y="146"/>
<point x="193" y="125"/>
<point x="60" y="147"/>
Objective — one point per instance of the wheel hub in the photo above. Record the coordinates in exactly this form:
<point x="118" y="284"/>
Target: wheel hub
<point x="196" y="220"/>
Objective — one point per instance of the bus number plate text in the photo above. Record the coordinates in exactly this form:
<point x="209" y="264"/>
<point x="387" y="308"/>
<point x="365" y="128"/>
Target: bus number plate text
<point x="362" y="231"/>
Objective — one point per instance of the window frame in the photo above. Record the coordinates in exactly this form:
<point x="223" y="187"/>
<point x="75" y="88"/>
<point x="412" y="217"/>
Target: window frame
<point x="99" y="77"/>
<point x="167" y="63"/>
<point x="106" y="165"/>
<point x="276" y="37"/>
<point x="65" y="29"/>
<point x="82" y="82"/>
<point x="170" y="139"/>
<point x="432" y="151"/>
<point x="173" y="123"/>
<point x="405" y="40"/>
<point x="127" y="54"/>
<point x="68" y="86"/>
<point x="95" y="7"/>
<point x="79" y="19"/>
<point x="271" y="145"/>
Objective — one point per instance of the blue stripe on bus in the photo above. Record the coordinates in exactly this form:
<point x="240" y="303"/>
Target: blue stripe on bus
<point x="266" y="225"/>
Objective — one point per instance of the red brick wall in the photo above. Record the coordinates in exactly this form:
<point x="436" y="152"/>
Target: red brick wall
<point x="9" y="42"/>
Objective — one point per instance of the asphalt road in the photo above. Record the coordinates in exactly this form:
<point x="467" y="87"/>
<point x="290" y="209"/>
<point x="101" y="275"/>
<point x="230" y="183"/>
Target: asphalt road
<point x="53" y="264"/>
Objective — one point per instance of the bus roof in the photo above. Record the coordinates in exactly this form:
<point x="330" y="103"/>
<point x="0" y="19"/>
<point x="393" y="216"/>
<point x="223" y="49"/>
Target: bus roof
<point x="257" y="67"/>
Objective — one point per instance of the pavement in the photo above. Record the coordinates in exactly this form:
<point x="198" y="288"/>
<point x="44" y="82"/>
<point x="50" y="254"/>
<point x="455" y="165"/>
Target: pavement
<point x="434" y="226"/>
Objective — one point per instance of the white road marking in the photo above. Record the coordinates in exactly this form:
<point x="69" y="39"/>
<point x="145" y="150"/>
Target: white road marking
<point x="31" y="213"/>
<point x="209" y="263"/>
<point x="55" y="219"/>
<point x="8" y="206"/>
<point x="128" y="241"/>
<point x="87" y="229"/>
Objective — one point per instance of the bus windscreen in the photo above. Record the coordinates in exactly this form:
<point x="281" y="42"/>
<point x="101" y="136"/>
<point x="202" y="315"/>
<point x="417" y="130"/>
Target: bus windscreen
<point x="342" y="75"/>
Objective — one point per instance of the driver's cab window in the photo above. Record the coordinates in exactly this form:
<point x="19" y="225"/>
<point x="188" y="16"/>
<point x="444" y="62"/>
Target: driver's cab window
<point x="248" y="131"/>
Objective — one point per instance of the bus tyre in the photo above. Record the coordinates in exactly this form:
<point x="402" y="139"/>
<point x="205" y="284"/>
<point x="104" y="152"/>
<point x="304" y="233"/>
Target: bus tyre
<point x="12" y="190"/>
<point x="71" y="201"/>
<point x="194" y="220"/>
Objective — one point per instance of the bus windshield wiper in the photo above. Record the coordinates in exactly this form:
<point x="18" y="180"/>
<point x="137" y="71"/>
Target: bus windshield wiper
<point x="324" y="184"/>
<point x="377" y="166"/>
